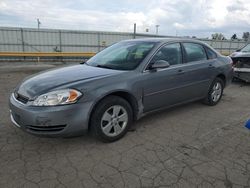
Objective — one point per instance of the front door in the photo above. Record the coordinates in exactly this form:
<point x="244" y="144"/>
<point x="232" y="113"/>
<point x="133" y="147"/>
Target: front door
<point x="164" y="87"/>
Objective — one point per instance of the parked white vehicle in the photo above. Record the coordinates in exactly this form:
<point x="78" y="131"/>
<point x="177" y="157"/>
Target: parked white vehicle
<point x="241" y="62"/>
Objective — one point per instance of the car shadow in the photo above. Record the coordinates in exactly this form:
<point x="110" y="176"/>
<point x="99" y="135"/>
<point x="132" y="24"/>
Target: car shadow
<point x="241" y="83"/>
<point x="166" y="112"/>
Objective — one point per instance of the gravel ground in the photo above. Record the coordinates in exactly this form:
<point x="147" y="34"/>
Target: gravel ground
<point x="188" y="146"/>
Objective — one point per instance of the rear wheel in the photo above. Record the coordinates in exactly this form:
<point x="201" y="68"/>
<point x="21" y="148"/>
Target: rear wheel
<point x="111" y="119"/>
<point x="215" y="92"/>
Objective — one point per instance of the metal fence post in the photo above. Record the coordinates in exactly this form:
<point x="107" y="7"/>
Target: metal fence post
<point x="99" y="41"/>
<point x="60" y="40"/>
<point x="230" y="45"/>
<point x="134" y="34"/>
<point x="221" y="46"/>
<point x="22" y="40"/>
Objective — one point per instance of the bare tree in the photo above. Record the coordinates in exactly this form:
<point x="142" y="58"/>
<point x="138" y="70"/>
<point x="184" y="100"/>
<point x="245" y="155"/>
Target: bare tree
<point x="218" y="36"/>
<point x="246" y="36"/>
<point x="234" y="37"/>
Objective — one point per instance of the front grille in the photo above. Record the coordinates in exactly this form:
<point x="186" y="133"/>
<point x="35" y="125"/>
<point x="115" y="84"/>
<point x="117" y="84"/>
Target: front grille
<point x="54" y="128"/>
<point x="21" y="98"/>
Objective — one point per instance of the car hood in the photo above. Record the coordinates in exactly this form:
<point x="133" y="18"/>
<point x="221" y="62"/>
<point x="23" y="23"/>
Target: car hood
<point x="240" y="54"/>
<point x="46" y="81"/>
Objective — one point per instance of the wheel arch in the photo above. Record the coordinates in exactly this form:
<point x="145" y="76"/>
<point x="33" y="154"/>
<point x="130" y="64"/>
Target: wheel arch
<point x="130" y="98"/>
<point x="222" y="77"/>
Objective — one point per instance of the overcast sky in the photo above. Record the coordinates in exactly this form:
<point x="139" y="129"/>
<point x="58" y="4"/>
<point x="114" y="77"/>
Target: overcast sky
<point x="182" y="17"/>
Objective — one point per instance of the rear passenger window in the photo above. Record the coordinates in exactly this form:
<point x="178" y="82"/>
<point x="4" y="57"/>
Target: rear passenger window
<point x="210" y="53"/>
<point x="194" y="52"/>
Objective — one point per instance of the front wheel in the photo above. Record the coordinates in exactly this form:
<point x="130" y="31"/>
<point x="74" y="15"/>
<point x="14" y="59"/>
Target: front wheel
<point x="111" y="119"/>
<point x="215" y="92"/>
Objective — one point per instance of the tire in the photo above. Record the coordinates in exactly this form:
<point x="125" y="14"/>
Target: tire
<point x="111" y="119"/>
<point x="215" y="92"/>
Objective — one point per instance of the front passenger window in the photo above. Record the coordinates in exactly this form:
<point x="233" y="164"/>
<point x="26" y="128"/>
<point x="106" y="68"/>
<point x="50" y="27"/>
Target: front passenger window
<point x="170" y="53"/>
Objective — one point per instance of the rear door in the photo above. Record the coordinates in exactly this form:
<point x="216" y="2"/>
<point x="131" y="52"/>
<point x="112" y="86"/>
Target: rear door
<point x="198" y="70"/>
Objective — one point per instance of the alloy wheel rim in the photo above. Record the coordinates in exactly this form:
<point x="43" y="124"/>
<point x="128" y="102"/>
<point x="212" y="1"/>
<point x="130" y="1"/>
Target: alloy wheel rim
<point x="114" y="120"/>
<point x="217" y="91"/>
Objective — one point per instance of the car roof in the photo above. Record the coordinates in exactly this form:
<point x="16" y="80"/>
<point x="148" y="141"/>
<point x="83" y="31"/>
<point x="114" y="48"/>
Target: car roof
<point x="169" y="40"/>
<point x="164" y="40"/>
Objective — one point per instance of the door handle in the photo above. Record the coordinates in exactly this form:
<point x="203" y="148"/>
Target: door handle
<point x="211" y="66"/>
<point x="180" y="71"/>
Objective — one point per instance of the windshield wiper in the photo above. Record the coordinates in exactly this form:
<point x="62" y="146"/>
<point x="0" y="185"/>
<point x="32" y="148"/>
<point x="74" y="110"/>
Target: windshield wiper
<point x="104" y="66"/>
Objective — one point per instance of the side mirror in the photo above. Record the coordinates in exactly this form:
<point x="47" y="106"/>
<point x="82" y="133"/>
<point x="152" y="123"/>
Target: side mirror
<point x="159" y="64"/>
<point x="238" y="50"/>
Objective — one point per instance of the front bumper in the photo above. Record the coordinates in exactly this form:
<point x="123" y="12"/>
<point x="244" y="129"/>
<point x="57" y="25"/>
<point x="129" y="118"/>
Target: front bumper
<point x="66" y="120"/>
<point x="242" y="74"/>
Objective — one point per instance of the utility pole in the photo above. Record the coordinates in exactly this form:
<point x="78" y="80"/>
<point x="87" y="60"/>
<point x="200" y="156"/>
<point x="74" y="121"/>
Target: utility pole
<point x="157" y="29"/>
<point x="134" y="31"/>
<point x="38" y="23"/>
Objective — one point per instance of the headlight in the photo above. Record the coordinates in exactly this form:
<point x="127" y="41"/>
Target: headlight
<point x="59" y="97"/>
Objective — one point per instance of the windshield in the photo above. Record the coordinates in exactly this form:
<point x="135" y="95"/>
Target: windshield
<point x="122" y="56"/>
<point x="246" y="48"/>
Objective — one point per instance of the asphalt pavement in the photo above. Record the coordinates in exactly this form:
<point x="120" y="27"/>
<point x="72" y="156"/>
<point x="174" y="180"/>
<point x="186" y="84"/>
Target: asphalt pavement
<point x="188" y="146"/>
